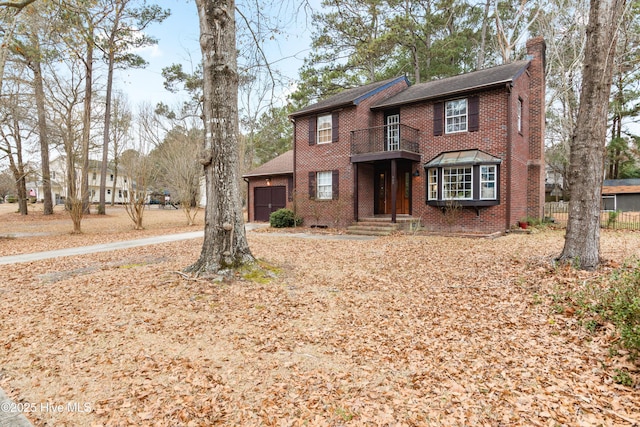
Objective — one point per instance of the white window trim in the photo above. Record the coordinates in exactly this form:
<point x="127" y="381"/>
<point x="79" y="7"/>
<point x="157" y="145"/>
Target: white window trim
<point x="465" y="115"/>
<point x="433" y="184"/>
<point x="327" y="123"/>
<point x="324" y="185"/>
<point x="494" y="181"/>
<point x="444" y="191"/>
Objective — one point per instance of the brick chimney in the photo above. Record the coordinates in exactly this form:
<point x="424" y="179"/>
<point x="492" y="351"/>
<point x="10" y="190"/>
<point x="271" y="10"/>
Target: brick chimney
<point x="536" y="48"/>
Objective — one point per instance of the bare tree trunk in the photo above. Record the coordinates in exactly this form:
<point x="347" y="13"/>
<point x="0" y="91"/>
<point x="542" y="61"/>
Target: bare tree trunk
<point x="86" y="122"/>
<point x="115" y="181"/>
<point x="105" y="141"/>
<point x="42" y="130"/>
<point x="225" y="245"/>
<point x="483" y="37"/>
<point x="582" y="241"/>
<point x="21" y="184"/>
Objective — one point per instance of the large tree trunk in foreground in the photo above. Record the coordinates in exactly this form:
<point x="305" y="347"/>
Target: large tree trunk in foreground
<point x="582" y="244"/>
<point x="225" y="245"/>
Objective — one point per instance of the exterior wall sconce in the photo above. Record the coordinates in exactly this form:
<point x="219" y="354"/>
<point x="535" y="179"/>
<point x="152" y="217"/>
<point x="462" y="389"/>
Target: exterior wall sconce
<point x="417" y="172"/>
<point x="268" y="180"/>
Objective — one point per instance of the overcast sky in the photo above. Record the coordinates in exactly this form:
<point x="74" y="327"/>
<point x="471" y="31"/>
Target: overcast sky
<point x="178" y="43"/>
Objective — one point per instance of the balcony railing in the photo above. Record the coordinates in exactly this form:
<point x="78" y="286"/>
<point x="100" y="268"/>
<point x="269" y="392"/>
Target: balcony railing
<point x="384" y="138"/>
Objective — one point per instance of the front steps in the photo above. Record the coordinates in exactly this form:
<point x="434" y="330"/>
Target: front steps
<point x="380" y="226"/>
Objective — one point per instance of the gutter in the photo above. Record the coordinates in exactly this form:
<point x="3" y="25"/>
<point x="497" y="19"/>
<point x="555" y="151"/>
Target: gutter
<point x="248" y="200"/>
<point x="293" y="190"/>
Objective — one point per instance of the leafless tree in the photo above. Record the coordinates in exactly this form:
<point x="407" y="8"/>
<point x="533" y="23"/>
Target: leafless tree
<point x="582" y="241"/>
<point x="225" y="246"/>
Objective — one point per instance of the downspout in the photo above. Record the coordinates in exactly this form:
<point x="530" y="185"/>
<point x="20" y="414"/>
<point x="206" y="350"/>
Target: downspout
<point x="293" y="190"/>
<point x="248" y="201"/>
<point x="509" y="158"/>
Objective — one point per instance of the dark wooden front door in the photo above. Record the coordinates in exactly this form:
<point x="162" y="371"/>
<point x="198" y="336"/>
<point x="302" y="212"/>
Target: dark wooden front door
<point x="268" y="200"/>
<point x="382" y="197"/>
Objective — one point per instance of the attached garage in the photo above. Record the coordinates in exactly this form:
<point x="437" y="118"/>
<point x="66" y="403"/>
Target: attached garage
<point x="270" y="187"/>
<point x="268" y="200"/>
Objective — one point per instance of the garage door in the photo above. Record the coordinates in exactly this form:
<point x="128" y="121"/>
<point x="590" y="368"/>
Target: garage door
<point x="267" y="200"/>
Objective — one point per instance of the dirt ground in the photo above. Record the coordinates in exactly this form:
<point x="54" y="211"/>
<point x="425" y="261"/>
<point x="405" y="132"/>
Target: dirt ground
<point x="398" y="331"/>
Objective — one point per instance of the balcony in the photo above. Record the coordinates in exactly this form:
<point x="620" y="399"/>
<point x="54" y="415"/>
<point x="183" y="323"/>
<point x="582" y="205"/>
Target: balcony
<point x="385" y="142"/>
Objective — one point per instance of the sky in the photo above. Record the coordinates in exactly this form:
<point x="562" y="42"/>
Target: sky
<point x="178" y="43"/>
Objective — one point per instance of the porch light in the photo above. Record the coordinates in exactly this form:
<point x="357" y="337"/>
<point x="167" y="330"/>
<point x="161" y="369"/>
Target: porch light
<point x="268" y="180"/>
<point x="417" y="172"/>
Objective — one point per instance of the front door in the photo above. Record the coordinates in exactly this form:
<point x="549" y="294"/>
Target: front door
<point x="382" y="182"/>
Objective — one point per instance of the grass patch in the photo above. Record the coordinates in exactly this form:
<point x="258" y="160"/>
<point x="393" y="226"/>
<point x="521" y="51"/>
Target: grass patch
<point x="133" y="265"/>
<point x="259" y="272"/>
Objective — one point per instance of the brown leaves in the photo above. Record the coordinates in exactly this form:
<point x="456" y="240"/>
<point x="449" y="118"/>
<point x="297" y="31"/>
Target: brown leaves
<point x="399" y="331"/>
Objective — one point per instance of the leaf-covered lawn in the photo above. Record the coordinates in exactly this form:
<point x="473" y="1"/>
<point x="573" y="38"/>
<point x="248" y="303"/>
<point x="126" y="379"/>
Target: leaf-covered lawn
<point x="402" y="330"/>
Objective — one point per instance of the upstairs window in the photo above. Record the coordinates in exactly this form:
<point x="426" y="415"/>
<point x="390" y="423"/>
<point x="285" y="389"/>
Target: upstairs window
<point x="324" y="129"/>
<point x="456" y="116"/>
<point x="519" y="112"/>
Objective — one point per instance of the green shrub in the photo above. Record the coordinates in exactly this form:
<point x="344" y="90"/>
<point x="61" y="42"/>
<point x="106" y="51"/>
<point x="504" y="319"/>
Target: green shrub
<point x="612" y="218"/>
<point x="284" y="218"/>
<point x="12" y="199"/>
<point x="620" y="303"/>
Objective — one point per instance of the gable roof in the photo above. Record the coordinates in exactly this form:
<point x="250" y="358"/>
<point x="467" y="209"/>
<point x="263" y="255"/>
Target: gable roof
<point x="281" y="165"/>
<point x="482" y="79"/>
<point x="348" y="97"/>
<point x="621" y="186"/>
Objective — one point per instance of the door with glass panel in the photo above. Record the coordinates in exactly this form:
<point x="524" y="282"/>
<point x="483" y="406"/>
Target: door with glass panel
<point x="392" y="132"/>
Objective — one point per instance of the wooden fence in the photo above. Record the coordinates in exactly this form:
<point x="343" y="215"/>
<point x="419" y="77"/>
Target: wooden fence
<point x="558" y="212"/>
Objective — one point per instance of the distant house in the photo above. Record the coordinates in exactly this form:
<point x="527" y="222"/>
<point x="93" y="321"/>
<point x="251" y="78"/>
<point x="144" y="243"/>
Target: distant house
<point x="621" y="195"/>
<point x="270" y="187"/>
<point x="117" y="187"/>
<point x="464" y="153"/>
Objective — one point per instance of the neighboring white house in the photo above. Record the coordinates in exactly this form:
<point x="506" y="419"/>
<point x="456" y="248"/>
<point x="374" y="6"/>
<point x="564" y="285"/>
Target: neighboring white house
<point x="58" y="170"/>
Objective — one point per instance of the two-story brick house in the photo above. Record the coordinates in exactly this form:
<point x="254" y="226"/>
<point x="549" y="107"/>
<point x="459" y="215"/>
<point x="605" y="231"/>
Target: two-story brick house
<point x="464" y="153"/>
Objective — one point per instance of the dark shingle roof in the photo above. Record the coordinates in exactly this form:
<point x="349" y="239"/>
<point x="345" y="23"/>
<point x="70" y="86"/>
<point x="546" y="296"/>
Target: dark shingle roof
<point x="482" y="79"/>
<point x="348" y="97"/>
<point x="281" y="165"/>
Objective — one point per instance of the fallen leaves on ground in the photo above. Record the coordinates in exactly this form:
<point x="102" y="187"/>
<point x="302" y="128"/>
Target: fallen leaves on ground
<point x="398" y="331"/>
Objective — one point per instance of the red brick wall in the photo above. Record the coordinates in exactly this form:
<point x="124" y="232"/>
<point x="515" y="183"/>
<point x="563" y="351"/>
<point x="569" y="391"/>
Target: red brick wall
<point x="279" y="180"/>
<point x="332" y="156"/>
<point x="536" y="49"/>
<point x="521" y="180"/>
<point x="490" y="138"/>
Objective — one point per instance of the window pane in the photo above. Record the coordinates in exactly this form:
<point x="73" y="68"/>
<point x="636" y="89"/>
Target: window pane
<point x="456" y="116"/>
<point x="488" y="182"/>
<point x="457" y="183"/>
<point x="324" y="185"/>
<point x="324" y="129"/>
<point x="433" y="184"/>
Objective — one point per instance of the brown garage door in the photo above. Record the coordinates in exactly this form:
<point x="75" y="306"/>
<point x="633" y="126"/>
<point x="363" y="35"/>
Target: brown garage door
<point x="267" y="200"/>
